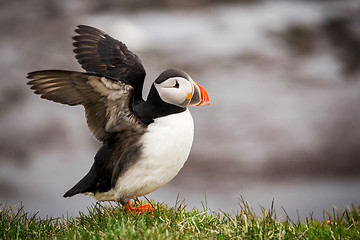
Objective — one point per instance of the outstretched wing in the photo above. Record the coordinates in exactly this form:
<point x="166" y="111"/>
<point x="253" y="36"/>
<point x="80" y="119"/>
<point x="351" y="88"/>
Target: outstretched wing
<point x="108" y="103"/>
<point x="99" y="53"/>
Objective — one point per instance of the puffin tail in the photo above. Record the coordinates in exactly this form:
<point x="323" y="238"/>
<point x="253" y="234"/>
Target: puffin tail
<point x="86" y="184"/>
<point x="73" y="191"/>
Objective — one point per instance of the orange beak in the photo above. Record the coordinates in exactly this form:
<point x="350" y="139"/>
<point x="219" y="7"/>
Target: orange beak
<point x="199" y="96"/>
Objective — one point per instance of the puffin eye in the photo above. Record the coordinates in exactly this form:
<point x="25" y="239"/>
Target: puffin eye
<point x="177" y="85"/>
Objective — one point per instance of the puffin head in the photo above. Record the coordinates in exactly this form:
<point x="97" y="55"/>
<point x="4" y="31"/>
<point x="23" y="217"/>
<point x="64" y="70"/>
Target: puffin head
<point x="176" y="87"/>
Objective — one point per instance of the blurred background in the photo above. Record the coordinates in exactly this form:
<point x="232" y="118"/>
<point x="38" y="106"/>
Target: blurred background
<point x="284" y="82"/>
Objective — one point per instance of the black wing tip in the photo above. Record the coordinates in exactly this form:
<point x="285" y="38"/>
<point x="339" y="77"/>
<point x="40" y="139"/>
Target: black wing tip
<point x="82" y="25"/>
<point x="33" y="76"/>
<point x="82" y="28"/>
<point x="40" y="72"/>
<point x="29" y="76"/>
<point x="34" y="73"/>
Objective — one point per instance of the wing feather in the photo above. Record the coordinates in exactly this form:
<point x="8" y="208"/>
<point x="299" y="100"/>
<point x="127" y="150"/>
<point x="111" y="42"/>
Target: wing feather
<point x="99" y="53"/>
<point x="108" y="103"/>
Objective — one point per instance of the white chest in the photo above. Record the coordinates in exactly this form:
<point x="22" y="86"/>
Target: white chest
<point x="166" y="147"/>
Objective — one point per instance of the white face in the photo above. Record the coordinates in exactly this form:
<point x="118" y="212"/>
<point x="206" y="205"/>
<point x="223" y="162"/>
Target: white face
<point x="175" y="90"/>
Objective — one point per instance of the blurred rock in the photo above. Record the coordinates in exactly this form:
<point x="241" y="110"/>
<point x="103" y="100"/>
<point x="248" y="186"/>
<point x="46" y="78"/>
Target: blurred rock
<point x="344" y="35"/>
<point x="299" y="39"/>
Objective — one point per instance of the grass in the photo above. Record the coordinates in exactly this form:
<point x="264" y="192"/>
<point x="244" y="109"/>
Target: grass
<point x="112" y="222"/>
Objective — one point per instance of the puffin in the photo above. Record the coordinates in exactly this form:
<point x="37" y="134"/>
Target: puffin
<point x="145" y="143"/>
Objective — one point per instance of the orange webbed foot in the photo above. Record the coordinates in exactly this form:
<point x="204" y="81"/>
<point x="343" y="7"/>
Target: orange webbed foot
<point x="139" y="209"/>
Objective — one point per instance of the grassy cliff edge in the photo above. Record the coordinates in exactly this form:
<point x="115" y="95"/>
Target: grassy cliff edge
<point x="112" y="222"/>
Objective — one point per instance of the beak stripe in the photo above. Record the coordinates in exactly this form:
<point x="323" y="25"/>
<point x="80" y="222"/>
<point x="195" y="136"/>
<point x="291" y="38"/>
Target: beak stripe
<point x="200" y="96"/>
